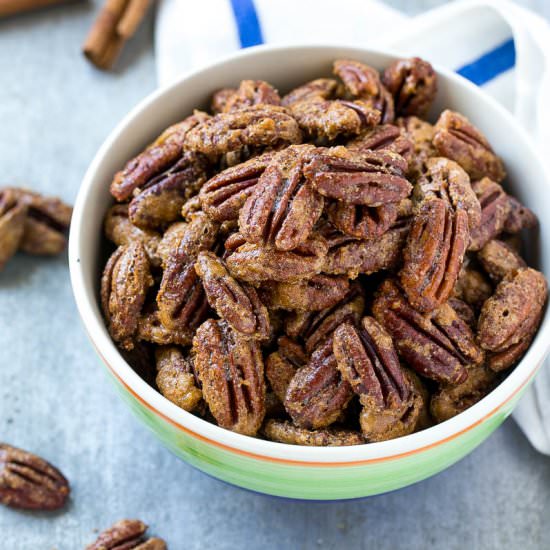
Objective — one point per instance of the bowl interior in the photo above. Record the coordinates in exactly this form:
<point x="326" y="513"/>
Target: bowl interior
<point x="286" y="67"/>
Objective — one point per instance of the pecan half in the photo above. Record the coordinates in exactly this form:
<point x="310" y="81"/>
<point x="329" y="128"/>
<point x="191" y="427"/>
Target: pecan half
<point x="520" y="217"/>
<point x="472" y="286"/>
<point x="512" y="314"/>
<point x="258" y="126"/>
<point x="283" y="208"/>
<point x="28" y="481"/>
<point x="321" y="88"/>
<point x="371" y="178"/>
<point x="190" y="207"/>
<point x="449" y="401"/>
<point x="384" y="136"/>
<point x="170" y="241"/>
<point x="223" y="196"/>
<point x="498" y="259"/>
<point x="317" y="394"/>
<point x="445" y="179"/>
<point x="281" y="365"/>
<point x="249" y="93"/>
<point x="160" y="200"/>
<point x="12" y="224"/>
<point x="160" y="155"/>
<point x="237" y="303"/>
<point x="220" y="99"/>
<point x="175" y="378"/>
<point x="150" y="329"/>
<point x="434" y="252"/>
<point x="413" y="85"/>
<point x="231" y="370"/>
<point x="319" y="292"/>
<point x="495" y="209"/>
<point x="255" y="264"/>
<point x="421" y="134"/>
<point x="126" y="534"/>
<point x="458" y="139"/>
<point x="439" y="346"/>
<point x="285" y="432"/>
<point x="124" y="285"/>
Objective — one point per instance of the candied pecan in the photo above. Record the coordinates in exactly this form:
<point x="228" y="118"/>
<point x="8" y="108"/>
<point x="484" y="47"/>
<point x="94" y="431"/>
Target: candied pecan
<point x="283" y="207"/>
<point x="175" y="377"/>
<point x="124" y="285"/>
<point x="256" y="126"/>
<point x="513" y="312"/>
<point x="413" y="85"/>
<point x="315" y="328"/>
<point x="190" y="207"/>
<point x="498" y="259"/>
<point x="231" y="370"/>
<point x="458" y="139"/>
<point x="319" y="292"/>
<point x="385" y="136"/>
<point x="220" y="99"/>
<point x="421" y="134"/>
<point x="371" y="178"/>
<point x="439" y="346"/>
<point x="317" y="394"/>
<point x="170" y="241"/>
<point x="321" y="88"/>
<point x="255" y="264"/>
<point x="120" y="230"/>
<point x="503" y="360"/>
<point x="126" y="534"/>
<point x="326" y="119"/>
<point x="449" y="401"/>
<point x="285" y="432"/>
<point x="281" y="365"/>
<point x="237" y="303"/>
<point x="445" y="179"/>
<point x="223" y="196"/>
<point x="249" y="93"/>
<point x="463" y="310"/>
<point x="520" y="217"/>
<point x="434" y="252"/>
<point x="472" y="287"/>
<point x="363" y="82"/>
<point x="161" y="199"/>
<point x="495" y="209"/>
<point x="160" y="155"/>
<point x="12" y="224"/>
<point x="150" y="329"/>
<point x="29" y="482"/>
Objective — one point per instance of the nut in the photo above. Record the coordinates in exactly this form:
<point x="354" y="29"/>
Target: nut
<point x="321" y="88"/>
<point x="498" y="259"/>
<point x="127" y="534"/>
<point x="12" y="224"/>
<point x="285" y="432"/>
<point x="281" y="365"/>
<point x="249" y="93"/>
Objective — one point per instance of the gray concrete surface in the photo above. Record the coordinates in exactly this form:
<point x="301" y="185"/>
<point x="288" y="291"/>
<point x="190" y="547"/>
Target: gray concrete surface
<point x="54" y="399"/>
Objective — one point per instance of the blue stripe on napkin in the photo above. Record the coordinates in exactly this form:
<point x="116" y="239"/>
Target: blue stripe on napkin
<point x="491" y="64"/>
<point x="248" y="25"/>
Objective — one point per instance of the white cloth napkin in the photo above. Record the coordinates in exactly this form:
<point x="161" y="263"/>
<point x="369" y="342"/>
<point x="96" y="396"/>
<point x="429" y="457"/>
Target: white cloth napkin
<point x="494" y="43"/>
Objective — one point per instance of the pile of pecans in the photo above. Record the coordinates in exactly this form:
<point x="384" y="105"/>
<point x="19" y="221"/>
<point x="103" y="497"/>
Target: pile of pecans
<point x="322" y="268"/>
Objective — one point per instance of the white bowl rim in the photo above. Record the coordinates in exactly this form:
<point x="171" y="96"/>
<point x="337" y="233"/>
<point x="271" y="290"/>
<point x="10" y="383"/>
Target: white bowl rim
<point x="268" y="450"/>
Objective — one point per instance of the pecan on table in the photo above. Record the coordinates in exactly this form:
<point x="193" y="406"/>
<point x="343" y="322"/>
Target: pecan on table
<point x="367" y="359"/>
<point x="498" y="259"/>
<point x="372" y="178"/>
<point x="255" y="263"/>
<point x="495" y="209"/>
<point x="165" y="151"/>
<point x="283" y="431"/>
<point x="29" y="482"/>
<point x="283" y="207"/>
<point x="126" y="534"/>
<point x="319" y="292"/>
<point x="321" y="88"/>
<point x="458" y="139"/>
<point x="413" y="85"/>
<point x="175" y="377"/>
<point x="237" y="303"/>
<point x="434" y="252"/>
<point x="317" y="394"/>
<point x="249" y="93"/>
<point x="124" y="285"/>
<point x="231" y="370"/>
<point x="520" y="217"/>
<point x="160" y="200"/>
<point x="223" y="196"/>
<point x="449" y="401"/>
<point x="256" y="127"/>
<point x="439" y="346"/>
<point x="510" y="317"/>
<point x="12" y="224"/>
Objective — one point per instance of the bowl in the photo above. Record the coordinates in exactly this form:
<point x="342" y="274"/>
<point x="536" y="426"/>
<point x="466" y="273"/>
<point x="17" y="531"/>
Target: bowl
<point x="274" y="468"/>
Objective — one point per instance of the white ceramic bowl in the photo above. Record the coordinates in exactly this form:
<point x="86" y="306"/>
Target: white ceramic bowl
<point x="304" y="472"/>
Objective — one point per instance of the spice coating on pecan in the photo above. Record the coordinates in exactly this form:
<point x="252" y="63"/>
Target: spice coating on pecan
<point x="520" y="217"/>
<point x="29" y="482"/>
<point x="321" y="88"/>
<point x="384" y="136"/>
<point x="498" y="259"/>
<point x="285" y="432"/>
<point x="231" y="370"/>
<point x="249" y="93"/>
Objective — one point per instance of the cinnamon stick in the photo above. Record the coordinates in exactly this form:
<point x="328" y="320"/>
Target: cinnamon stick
<point x="12" y="7"/>
<point x="117" y="21"/>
